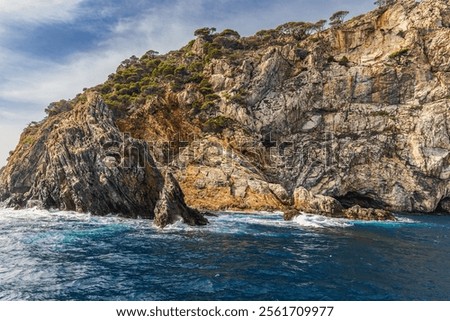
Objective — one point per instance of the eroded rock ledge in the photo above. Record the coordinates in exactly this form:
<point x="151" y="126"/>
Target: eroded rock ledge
<point x="78" y="160"/>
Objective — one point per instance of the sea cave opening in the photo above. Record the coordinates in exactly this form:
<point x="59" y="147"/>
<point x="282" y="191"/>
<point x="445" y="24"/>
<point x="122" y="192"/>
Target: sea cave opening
<point x="364" y="200"/>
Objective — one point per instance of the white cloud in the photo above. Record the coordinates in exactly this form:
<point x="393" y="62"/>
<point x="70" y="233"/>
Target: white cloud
<point x="163" y="28"/>
<point x="37" y="11"/>
<point x="9" y="136"/>
<point x="33" y="81"/>
<point x="45" y="83"/>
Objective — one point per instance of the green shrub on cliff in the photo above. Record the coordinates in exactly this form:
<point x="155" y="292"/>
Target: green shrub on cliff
<point x="399" y="53"/>
<point x="165" y="68"/>
<point x="208" y="105"/>
<point x="196" y="66"/>
<point x="212" y="97"/>
<point x="196" y="77"/>
<point x="205" y="87"/>
<point x="217" y="124"/>
<point x="239" y="97"/>
<point x="58" y="107"/>
<point x="152" y="64"/>
<point x="344" y="61"/>
<point x="212" y="51"/>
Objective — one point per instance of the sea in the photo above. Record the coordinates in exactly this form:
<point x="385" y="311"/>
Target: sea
<point x="57" y="256"/>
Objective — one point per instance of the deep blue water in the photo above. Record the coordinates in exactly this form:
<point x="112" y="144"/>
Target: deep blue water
<point x="56" y="256"/>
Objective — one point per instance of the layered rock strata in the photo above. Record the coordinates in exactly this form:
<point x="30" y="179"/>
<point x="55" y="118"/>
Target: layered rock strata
<point x="78" y="160"/>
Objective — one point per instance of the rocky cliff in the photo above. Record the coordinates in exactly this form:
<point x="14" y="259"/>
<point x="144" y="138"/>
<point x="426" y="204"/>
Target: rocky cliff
<point x="78" y="160"/>
<point x="351" y="121"/>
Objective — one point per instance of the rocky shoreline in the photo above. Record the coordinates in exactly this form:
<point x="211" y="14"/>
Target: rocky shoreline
<point x="350" y="122"/>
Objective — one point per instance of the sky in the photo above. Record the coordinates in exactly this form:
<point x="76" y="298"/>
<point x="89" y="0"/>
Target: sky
<point x="52" y="49"/>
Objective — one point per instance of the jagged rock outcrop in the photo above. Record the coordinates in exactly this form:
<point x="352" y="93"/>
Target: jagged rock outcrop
<point x="78" y="160"/>
<point x="305" y="201"/>
<point x="171" y="207"/>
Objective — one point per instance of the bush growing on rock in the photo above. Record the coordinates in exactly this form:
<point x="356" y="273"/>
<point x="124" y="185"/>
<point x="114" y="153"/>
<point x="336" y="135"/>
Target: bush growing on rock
<point x="399" y="53"/>
<point x="217" y="124"/>
<point x="344" y="61"/>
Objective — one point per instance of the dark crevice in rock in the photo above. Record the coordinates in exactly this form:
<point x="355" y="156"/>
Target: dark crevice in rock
<point x="353" y="198"/>
<point x="443" y="206"/>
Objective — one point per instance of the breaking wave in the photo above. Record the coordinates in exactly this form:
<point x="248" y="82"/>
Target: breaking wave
<point x="317" y="221"/>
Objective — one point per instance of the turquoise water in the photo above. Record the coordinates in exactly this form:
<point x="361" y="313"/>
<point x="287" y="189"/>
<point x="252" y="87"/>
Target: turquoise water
<point x="67" y="256"/>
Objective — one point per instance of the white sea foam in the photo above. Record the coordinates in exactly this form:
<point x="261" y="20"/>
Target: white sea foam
<point x="231" y="223"/>
<point x="35" y="212"/>
<point x="406" y="220"/>
<point x="224" y="223"/>
<point x="318" y="221"/>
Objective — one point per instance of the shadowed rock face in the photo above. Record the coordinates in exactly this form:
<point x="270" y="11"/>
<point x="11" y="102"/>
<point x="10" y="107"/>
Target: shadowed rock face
<point x="368" y="214"/>
<point x="78" y="160"/>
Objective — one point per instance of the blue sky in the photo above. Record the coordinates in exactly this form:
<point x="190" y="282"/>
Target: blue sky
<point x="52" y="49"/>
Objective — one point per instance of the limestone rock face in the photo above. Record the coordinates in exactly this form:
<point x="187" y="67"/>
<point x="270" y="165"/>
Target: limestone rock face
<point x="214" y="177"/>
<point x="78" y="160"/>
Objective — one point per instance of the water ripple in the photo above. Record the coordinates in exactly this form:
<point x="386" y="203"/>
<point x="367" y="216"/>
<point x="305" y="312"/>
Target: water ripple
<point x="69" y="256"/>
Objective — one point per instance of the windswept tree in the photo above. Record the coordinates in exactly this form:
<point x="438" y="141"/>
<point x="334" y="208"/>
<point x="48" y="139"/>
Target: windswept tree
<point x="319" y="25"/>
<point x="338" y="18"/>
<point x="151" y="53"/>
<point x="228" y="39"/>
<point x="230" y="33"/>
<point x="205" y="33"/>
<point x="384" y="3"/>
<point x="128" y="62"/>
<point x="298" y="30"/>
